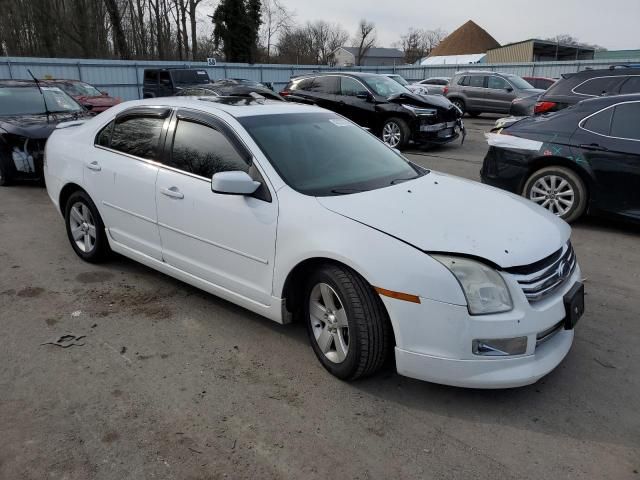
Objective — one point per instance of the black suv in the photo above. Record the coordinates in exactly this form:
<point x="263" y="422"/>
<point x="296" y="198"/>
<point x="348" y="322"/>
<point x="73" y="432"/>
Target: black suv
<point x="574" y="87"/>
<point x="380" y="105"/>
<point x="165" y="82"/>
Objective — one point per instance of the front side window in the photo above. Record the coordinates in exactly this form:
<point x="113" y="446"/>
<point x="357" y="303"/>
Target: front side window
<point x="476" y="81"/>
<point x="139" y="136"/>
<point x="104" y="136"/>
<point x="204" y="151"/>
<point x="598" y="86"/>
<point x="464" y="81"/>
<point x="384" y="86"/>
<point x="351" y="87"/>
<point x="497" y="83"/>
<point x="519" y="82"/>
<point x="151" y="76"/>
<point x="600" y="122"/>
<point x="322" y="154"/>
<point x="625" y="121"/>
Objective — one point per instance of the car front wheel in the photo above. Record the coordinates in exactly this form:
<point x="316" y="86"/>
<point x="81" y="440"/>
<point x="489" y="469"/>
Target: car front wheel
<point x="85" y="229"/>
<point x="559" y="190"/>
<point x="346" y="321"/>
<point x="395" y="133"/>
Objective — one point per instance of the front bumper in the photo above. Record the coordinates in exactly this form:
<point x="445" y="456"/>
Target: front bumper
<point x="434" y="340"/>
<point x="438" y="133"/>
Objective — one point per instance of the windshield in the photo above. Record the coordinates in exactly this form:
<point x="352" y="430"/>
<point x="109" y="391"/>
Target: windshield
<point x="399" y="79"/>
<point x="79" y="89"/>
<point x="384" y="86"/>
<point x="519" y="82"/>
<point x="322" y="154"/>
<point x="29" y="101"/>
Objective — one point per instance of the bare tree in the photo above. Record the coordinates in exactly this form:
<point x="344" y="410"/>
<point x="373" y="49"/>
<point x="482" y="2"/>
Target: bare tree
<point x="365" y="39"/>
<point x="276" y="18"/>
<point x="418" y="43"/>
<point x="326" y="38"/>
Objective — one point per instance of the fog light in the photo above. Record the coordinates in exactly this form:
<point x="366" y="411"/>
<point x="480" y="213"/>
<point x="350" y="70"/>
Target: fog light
<point x="500" y="347"/>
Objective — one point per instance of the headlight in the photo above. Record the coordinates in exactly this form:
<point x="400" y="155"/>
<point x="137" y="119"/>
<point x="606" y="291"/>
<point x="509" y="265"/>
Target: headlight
<point x="422" y="112"/>
<point x="483" y="287"/>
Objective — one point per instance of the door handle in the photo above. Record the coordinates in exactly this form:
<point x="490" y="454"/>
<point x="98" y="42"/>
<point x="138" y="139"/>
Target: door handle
<point x="172" y="192"/>
<point x="595" y="147"/>
<point x="95" y="166"/>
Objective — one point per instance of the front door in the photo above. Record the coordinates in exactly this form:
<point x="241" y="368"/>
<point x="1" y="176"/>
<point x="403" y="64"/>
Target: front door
<point x="227" y="240"/>
<point x="120" y="176"/>
<point x="499" y="95"/>
<point x="356" y="103"/>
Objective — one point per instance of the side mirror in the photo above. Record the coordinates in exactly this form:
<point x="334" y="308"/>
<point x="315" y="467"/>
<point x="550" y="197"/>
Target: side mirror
<point x="105" y="94"/>
<point x="233" y="183"/>
<point x="364" y="95"/>
<point x="509" y="89"/>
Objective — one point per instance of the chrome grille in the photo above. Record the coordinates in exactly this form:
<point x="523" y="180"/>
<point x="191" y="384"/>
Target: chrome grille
<point x="541" y="279"/>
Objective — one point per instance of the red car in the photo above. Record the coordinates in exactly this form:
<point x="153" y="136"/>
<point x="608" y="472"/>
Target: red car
<point x="86" y="95"/>
<point x="540" y="82"/>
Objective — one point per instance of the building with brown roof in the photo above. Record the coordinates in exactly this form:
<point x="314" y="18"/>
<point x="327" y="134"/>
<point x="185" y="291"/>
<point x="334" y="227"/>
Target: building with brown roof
<point x="469" y="38"/>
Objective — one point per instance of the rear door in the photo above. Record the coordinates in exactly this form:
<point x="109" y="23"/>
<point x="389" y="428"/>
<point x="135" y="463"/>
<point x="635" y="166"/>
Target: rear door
<point x="609" y="141"/>
<point x="324" y="91"/>
<point x="475" y="93"/>
<point x="355" y="102"/>
<point x="499" y="94"/>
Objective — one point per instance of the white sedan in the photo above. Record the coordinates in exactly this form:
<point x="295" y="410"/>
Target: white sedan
<point x="295" y="213"/>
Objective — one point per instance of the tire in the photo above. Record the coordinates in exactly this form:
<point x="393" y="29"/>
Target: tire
<point x="81" y="213"/>
<point x="396" y="131"/>
<point x="365" y="343"/>
<point x="564" y="195"/>
<point x="458" y="102"/>
<point x="5" y="180"/>
<point x="474" y="114"/>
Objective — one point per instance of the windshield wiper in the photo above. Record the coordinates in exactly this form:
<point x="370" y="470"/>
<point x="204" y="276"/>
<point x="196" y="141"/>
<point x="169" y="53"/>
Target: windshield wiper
<point x="347" y="191"/>
<point x="400" y="180"/>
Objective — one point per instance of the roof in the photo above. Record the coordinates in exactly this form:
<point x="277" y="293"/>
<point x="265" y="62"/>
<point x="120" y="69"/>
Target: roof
<point x="618" y="55"/>
<point x="545" y="42"/>
<point x="376" y="52"/>
<point x="17" y="83"/>
<point x="453" y="59"/>
<point x="469" y="38"/>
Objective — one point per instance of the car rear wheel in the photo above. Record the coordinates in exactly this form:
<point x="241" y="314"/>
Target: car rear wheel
<point x="559" y="190"/>
<point x="395" y="133"/>
<point x="85" y="228"/>
<point x="346" y="321"/>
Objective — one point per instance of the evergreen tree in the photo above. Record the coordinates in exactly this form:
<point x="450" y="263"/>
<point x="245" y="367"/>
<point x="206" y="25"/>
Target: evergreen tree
<point x="236" y="26"/>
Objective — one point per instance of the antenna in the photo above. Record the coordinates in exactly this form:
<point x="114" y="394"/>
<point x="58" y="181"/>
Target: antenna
<point x="46" y="107"/>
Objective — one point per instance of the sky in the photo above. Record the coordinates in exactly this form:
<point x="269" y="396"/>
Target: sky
<point x="614" y="24"/>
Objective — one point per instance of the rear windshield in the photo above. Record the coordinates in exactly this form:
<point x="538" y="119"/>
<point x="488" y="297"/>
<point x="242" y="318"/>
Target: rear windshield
<point x="323" y="154"/>
<point x="29" y="101"/>
<point x="189" y="77"/>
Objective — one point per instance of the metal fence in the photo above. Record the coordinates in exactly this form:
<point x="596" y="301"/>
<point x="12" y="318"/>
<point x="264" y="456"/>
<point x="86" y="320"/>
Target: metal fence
<point x="123" y="78"/>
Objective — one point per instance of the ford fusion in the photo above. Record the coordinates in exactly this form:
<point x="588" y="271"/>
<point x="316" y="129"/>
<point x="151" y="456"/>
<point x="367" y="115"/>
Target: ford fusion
<point x="296" y="213"/>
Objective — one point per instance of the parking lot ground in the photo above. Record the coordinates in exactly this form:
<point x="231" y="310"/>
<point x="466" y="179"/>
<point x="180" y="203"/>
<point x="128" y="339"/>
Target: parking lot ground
<point x="173" y="383"/>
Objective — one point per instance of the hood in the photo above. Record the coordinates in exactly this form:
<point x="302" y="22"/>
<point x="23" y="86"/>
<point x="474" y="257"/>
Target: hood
<point x="442" y="213"/>
<point x="428" y="101"/>
<point x="36" y="126"/>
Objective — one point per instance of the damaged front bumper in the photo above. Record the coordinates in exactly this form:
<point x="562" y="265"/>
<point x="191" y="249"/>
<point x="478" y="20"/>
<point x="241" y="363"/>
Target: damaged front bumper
<point x="439" y="133"/>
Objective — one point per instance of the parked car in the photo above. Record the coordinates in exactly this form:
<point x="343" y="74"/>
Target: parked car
<point x="524" y="106"/>
<point x="582" y="159"/>
<point x="226" y="89"/>
<point x="542" y="83"/>
<point x="484" y="296"/>
<point x="239" y="82"/>
<point x="28" y="115"/>
<point x="381" y="105"/>
<point x="86" y="95"/>
<point x="435" y="85"/>
<point x="417" y="89"/>
<point x="575" y="87"/>
<point x="476" y="92"/>
<point x="165" y="82"/>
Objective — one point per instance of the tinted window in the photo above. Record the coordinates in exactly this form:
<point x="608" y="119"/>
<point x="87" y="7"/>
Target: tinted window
<point x="305" y="84"/>
<point x="324" y="154"/>
<point x="476" y="81"/>
<point x="632" y="85"/>
<point x="30" y="100"/>
<point x="165" y="78"/>
<point x="351" y="87"/>
<point x="600" y="122"/>
<point x="204" y="151"/>
<point x="104" y="136"/>
<point x="625" y="121"/>
<point x="326" y="85"/>
<point x="598" y="86"/>
<point x="137" y="136"/>
<point x="497" y="83"/>
<point x="151" y="76"/>
<point x="464" y="81"/>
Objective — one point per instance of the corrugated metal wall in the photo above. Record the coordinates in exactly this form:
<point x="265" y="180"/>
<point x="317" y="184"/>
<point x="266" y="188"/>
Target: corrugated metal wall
<point x="124" y="78"/>
<point x="519" y="52"/>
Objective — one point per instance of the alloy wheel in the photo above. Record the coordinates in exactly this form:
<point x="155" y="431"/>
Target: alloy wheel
<point x="329" y="322"/>
<point x="553" y="193"/>
<point x="391" y="134"/>
<point x="83" y="227"/>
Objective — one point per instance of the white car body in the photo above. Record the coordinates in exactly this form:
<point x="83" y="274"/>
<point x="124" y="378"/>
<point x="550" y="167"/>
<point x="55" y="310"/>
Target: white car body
<point x="382" y="234"/>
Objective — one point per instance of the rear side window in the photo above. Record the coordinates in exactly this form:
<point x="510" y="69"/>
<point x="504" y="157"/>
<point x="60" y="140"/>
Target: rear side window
<point x="631" y="85"/>
<point x="598" y="86"/>
<point x="305" y="84"/>
<point x="351" y="87"/>
<point x="204" y="151"/>
<point x="600" y="122"/>
<point x="139" y="136"/>
<point x="625" y="121"/>
<point x="476" y="81"/>
<point x="327" y="85"/>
